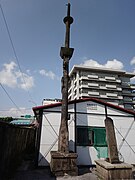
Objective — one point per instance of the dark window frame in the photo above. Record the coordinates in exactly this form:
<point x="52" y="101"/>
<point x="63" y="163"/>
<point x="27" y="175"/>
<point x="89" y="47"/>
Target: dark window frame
<point x="86" y="136"/>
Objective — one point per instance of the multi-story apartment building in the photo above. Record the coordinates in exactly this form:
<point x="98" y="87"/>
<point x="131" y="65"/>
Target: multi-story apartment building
<point x="107" y="84"/>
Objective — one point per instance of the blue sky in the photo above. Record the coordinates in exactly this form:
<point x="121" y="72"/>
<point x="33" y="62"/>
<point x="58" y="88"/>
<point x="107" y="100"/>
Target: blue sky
<point x="103" y="34"/>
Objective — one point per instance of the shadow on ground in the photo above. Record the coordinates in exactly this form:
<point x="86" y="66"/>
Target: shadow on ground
<point x="27" y="171"/>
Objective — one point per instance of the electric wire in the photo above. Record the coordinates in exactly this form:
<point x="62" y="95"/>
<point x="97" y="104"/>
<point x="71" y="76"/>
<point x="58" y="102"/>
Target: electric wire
<point x="125" y="140"/>
<point x="10" y="97"/>
<point x="52" y="145"/>
<point x="14" y="50"/>
<point x="121" y="144"/>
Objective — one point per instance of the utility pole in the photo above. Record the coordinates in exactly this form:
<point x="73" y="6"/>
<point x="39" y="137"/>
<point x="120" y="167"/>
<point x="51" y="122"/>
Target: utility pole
<point x="66" y="54"/>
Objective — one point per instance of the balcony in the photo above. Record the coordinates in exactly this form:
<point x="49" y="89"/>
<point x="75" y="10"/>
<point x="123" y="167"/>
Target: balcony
<point x="102" y="79"/>
<point x="69" y="88"/>
<point x="127" y="100"/>
<point x="75" y="88"/>
<point x="118" y="80"/>
<point x="132" y="86"/>
<point x="69" y="96"/>
<point x="93" y="93"/>
<point x="110" y="78"/>
<point x="93" y="84"/>
<point x="84" y="86"/>
<point x="111" y="86"/>
<point x="132" y="94"/>
<point x="120" y="97"/>
<point x="126" y="92"/>
<point x="119" y="89"/>
<point x="102" y="87"/>
<point x="83" y="78"/>
<point x="111" y="94"/>
<point x="103" y="96"/>
<point x="84" y="94"/>
<point x="92" y="76"/>
<point x="126" y="85"/>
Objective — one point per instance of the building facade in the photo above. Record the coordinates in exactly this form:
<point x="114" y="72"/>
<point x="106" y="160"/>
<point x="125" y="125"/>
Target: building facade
<point x="87" y="134"/>
<point x="50" y="101"/>
<point x="110" y="85"/>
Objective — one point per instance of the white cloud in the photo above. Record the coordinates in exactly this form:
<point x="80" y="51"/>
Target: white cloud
<point x="114" y="64"/>
<point x="26" y="81"/>
<point x="13" y="78"/>
<point x="111" y="64"/>
<point x="49" y="74"/>
<point x="14" y="112"/>
<point x="8" y="76"/>
<point x="132" y="62"/>
<point x="92" y="63"/>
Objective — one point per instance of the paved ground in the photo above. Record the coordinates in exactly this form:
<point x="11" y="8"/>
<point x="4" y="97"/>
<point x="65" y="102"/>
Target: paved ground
<point x="44" y="174"/>
<point x="26" y="172"/>
<point x="86" y="176"/>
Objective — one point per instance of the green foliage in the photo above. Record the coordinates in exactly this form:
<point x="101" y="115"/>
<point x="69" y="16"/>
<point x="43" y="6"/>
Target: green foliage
<point x="6" y="119"/>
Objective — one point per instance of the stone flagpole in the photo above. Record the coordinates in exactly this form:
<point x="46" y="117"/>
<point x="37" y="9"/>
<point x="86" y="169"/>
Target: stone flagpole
<point x="66" y="54"/>
<point x="62" y="161"/>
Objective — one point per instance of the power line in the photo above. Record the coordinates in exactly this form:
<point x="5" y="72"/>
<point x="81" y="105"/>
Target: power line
<point x="14" y="51"/>
<point x="10" y="97"/>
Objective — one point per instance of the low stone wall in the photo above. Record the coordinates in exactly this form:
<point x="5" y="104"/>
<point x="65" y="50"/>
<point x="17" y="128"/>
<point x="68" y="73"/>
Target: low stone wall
<point x="15" y="141"/>
<point x="106" y="170"/>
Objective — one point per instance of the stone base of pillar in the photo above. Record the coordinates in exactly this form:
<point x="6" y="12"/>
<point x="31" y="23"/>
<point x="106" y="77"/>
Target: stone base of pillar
<point x="106" y="170"/>
<point x="63" y="163"/>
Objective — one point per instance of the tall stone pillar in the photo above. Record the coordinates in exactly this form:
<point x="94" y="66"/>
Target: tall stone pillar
<point x="63" y="162"/>
<point x="111" y="141"/>
<point x="114" y="169"/>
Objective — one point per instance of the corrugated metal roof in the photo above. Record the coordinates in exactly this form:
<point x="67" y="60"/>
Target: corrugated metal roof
<point x="22" y="122"/>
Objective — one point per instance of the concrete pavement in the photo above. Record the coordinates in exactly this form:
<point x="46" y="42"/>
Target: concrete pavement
<point x="27" y="172"/>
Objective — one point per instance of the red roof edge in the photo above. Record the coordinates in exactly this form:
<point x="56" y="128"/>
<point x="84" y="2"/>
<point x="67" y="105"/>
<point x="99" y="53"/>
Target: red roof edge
<point x="83" y="100"/>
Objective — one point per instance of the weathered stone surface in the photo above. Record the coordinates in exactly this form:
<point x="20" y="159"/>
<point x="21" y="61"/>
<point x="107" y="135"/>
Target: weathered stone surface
<point x="111" y="141"/>
<point x="106" y="170"/>
<point x="63" y="163"/>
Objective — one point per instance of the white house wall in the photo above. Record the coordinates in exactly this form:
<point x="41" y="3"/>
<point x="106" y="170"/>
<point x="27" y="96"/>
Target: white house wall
<point x="50" y="131"/>
<point x="88" y="114"/>
<point x="124" y="131"/>
<point x="117" y="112"/>
<point x="49" y="137"/>
<point x="90" y="107"/>
<point x="86" y="155"/>
<point x="122" y="122"/>
<point x="95" y="116"/>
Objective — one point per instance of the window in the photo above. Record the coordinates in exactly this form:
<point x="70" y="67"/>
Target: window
<point x="99" y="137"/>
<point x="91" y="136"/>
<point x="85" y="136"/>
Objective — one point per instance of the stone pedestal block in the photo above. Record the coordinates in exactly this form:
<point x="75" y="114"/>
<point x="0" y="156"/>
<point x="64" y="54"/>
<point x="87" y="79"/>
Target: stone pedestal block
<point x="108" y="171"/>
<point x="63" y="163"/>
